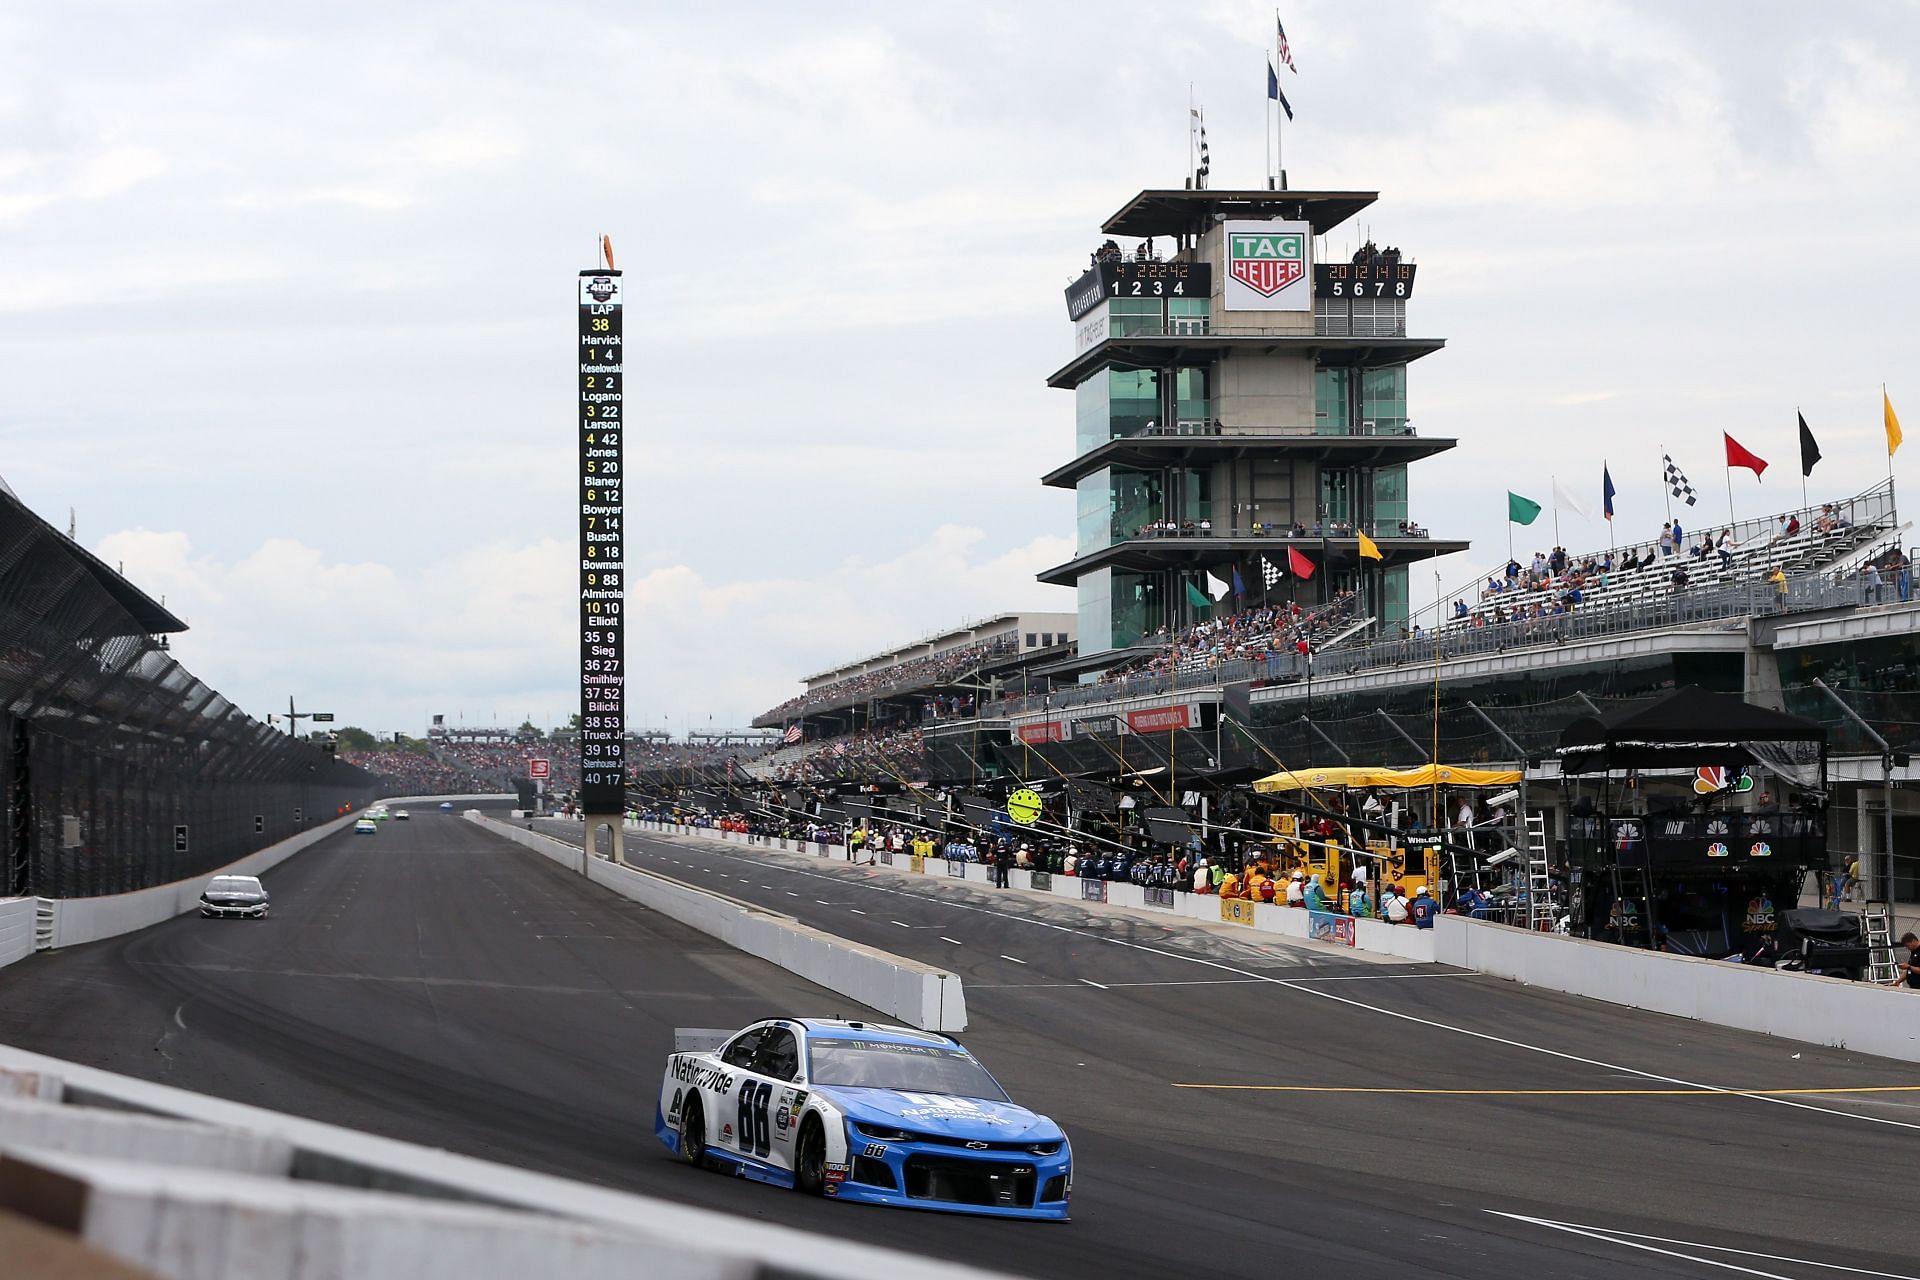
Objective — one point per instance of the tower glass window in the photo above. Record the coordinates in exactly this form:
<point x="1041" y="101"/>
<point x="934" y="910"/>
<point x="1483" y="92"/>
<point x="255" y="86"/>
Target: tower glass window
<point x="1383" y="401"/>
<point x="1117" y="403"/>
<point x="1389" y="499"/>
<point x="1193" y="403"/>
<point x="1330" y="391"/>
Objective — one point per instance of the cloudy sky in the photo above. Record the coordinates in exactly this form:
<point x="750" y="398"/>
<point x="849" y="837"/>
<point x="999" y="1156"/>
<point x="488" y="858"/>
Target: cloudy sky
<point x="286" y="297"/>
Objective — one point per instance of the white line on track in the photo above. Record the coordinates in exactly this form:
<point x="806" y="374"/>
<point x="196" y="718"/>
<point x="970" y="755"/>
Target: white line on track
<point x="857" y="911"/>
<point x="1297" y="985"/>
<point x="945" y="938"/>
<point x="903" y="924"/>
<point x="1090" y="982"/>
<point x="1015" y="959"/>
<point x="1628" y="1239"/>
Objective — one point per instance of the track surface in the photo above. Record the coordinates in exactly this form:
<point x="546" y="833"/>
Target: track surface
<point x="438" y="984"/>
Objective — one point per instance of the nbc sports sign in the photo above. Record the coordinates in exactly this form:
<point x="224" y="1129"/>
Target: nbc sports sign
<point x="1267" y="266"/>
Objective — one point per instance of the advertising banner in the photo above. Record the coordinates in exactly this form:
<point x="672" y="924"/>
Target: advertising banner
<point x="1325" y="926"/>
<point x="1093" y="890"/>
<point x="1268" y="266"/>
<point x="1159" y="896"/>
<point x="1236" y="911"/>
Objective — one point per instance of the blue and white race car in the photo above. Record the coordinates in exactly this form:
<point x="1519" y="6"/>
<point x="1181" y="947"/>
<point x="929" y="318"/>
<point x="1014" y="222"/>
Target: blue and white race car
<point x="861" y="1111"/>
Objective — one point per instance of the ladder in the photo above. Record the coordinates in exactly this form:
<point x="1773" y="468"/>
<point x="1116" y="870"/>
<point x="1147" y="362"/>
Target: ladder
<point x="1542" y="903"/>
<point x="1881" y="970"/>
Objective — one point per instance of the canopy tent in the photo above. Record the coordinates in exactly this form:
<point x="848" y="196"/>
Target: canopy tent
<point x="1692" y="728"/>
<point x="1426" y="775"/>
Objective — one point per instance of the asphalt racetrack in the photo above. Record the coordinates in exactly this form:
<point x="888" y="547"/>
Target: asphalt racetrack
<point x="437" y="983"/>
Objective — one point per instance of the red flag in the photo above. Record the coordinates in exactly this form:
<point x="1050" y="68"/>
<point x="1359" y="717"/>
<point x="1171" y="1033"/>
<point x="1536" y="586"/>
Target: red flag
<point x="1738" y="456"/>
<point x="1301" y="566"/>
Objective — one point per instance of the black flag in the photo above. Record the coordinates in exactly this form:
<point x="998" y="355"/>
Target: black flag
<point x="1809" y="451"/>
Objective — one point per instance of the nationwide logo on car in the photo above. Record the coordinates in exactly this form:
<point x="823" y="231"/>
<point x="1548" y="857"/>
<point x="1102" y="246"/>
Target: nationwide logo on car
<point x="1267" y="261"/>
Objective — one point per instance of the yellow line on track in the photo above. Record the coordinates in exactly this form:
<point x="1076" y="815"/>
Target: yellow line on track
<point x="1557" y="1093"/>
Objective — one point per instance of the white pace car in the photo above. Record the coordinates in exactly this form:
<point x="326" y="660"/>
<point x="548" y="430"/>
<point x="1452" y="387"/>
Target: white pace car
<point x="861" y="1111"/>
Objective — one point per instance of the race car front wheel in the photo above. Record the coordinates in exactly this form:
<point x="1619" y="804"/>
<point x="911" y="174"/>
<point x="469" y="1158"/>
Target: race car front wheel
<point x="693" y="1133"/>
<point x="810" y="1159"/>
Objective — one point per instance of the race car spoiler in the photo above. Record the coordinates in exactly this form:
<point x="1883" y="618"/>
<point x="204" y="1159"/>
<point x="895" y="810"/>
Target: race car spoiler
<point x="699" y="1039"/>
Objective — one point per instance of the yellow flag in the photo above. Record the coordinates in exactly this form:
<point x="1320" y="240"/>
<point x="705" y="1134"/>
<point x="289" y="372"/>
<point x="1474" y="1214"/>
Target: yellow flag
<point x="1893" y="423"/>
<point x="1369" y="550"/>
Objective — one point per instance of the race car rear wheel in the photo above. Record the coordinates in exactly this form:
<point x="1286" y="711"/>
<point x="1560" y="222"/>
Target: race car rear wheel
<point x="810" y="1159"/>
<point x="693" y="1133"/>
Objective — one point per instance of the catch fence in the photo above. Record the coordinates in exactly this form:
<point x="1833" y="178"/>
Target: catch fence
<point x="123" y="770"/>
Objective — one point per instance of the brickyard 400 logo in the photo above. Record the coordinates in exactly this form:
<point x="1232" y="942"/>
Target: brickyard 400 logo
<point x="1266" y="261"/>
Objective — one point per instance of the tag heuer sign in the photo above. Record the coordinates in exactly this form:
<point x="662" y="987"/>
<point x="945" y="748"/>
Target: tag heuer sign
<point x="1267" y="266"/>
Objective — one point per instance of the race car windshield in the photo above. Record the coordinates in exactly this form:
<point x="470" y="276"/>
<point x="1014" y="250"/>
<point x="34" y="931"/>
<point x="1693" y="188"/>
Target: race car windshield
<point x="918" y="1068"/>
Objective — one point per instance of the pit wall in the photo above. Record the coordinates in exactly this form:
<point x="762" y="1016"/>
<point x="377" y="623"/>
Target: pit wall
<point x="920" y="995"/>
<point x="1796" y="1006"/>
<point x="1793" y="1006"/>
<point x="1377" y="936"/>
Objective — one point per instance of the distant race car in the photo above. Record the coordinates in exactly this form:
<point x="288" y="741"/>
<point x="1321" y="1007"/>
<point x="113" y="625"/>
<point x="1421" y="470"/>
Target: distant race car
<point x="235" y="896"/>
<point x="446" y="806"/>
<point x="366" y="827"/>
<point x="401" y="815"/>
<point x="861" y="1111"/>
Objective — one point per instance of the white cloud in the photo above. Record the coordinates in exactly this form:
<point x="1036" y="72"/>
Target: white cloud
<point x="292" y="286"/>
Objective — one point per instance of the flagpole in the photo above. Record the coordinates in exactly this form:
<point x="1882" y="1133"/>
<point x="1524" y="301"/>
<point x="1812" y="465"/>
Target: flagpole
<point x="1804" y="506"/>
<point x="1666" y="485"/>
<point x="1269" y="110"/>
<point x="1730" y="519"/>
<point x="1556" y="509"/>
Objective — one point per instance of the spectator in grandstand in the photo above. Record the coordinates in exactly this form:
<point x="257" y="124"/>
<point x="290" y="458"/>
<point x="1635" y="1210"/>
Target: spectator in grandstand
<point x="1778" y="581"/>
<point x="1666" y="539"/>
<point x="1898" y="569"/>
<point x="1870" y="583"/>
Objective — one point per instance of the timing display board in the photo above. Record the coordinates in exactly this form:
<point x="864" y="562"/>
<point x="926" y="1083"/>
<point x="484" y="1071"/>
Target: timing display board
<point x="1134" y="278"/>
<point x="603" y="709"/>
<point x="1377" y="279"/>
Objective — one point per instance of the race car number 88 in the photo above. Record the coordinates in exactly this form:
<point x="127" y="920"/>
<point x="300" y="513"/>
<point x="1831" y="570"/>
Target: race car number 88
<point x="754" y="1136"/>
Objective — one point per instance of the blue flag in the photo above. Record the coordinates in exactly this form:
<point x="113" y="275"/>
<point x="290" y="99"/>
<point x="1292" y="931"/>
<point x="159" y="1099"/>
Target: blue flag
<point x="1606" y="491"/>
<point x="1273" y="90"/>
<point x="1239" y="587"/>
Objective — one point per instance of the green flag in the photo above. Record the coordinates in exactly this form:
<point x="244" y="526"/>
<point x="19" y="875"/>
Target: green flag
<point x="1521" y="510"/>
<point x="1198" y="598"/>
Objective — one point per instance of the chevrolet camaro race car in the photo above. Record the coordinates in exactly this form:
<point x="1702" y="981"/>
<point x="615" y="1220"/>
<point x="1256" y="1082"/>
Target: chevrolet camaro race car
<point x="861" y="1111"/>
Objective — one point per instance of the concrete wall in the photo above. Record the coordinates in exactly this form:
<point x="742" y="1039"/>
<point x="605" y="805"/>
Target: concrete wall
<point x="1797" y="1006"/>
<point x="1290" y="922"/>
<point x="917" y="994"/>
<point x="16" y="929"/>
<point x="1267" y="393"/>
<point x="78" y="920"/>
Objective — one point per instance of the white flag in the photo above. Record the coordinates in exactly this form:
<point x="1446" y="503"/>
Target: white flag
<point x="1562" y="497"/>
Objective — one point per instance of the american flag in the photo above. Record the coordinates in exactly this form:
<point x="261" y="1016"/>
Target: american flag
<point x="793" y="734"/>
<point x="839" y="748"/>
<point x="1281" y="47"/>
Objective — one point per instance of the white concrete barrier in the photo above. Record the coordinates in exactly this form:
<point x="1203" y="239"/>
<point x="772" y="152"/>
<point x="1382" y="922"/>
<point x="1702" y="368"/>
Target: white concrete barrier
<point x="917" y="994"/>
<point x="79" y="920"/>
<point x="1377" y="936"/>
<point x="16" y="929"/>
<point x="1795" y="1006"/>
<point x="197" y="1186"/>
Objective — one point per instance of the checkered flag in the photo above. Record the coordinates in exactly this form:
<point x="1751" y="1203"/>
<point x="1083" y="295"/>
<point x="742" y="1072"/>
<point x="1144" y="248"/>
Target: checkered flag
<point x="1678" y="483"/>
<point x="1269" y="571"/>
<point x="1206" y="158"/>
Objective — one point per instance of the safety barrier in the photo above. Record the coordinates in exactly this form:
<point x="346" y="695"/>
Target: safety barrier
<point x="175" y="1181"/>
<point x="1795" y="1006"/>
<point x="1400" y="940"/>
<point x="918" y="994"/>
<point x="16" y="929"/>
<point x="81" y="920"/>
